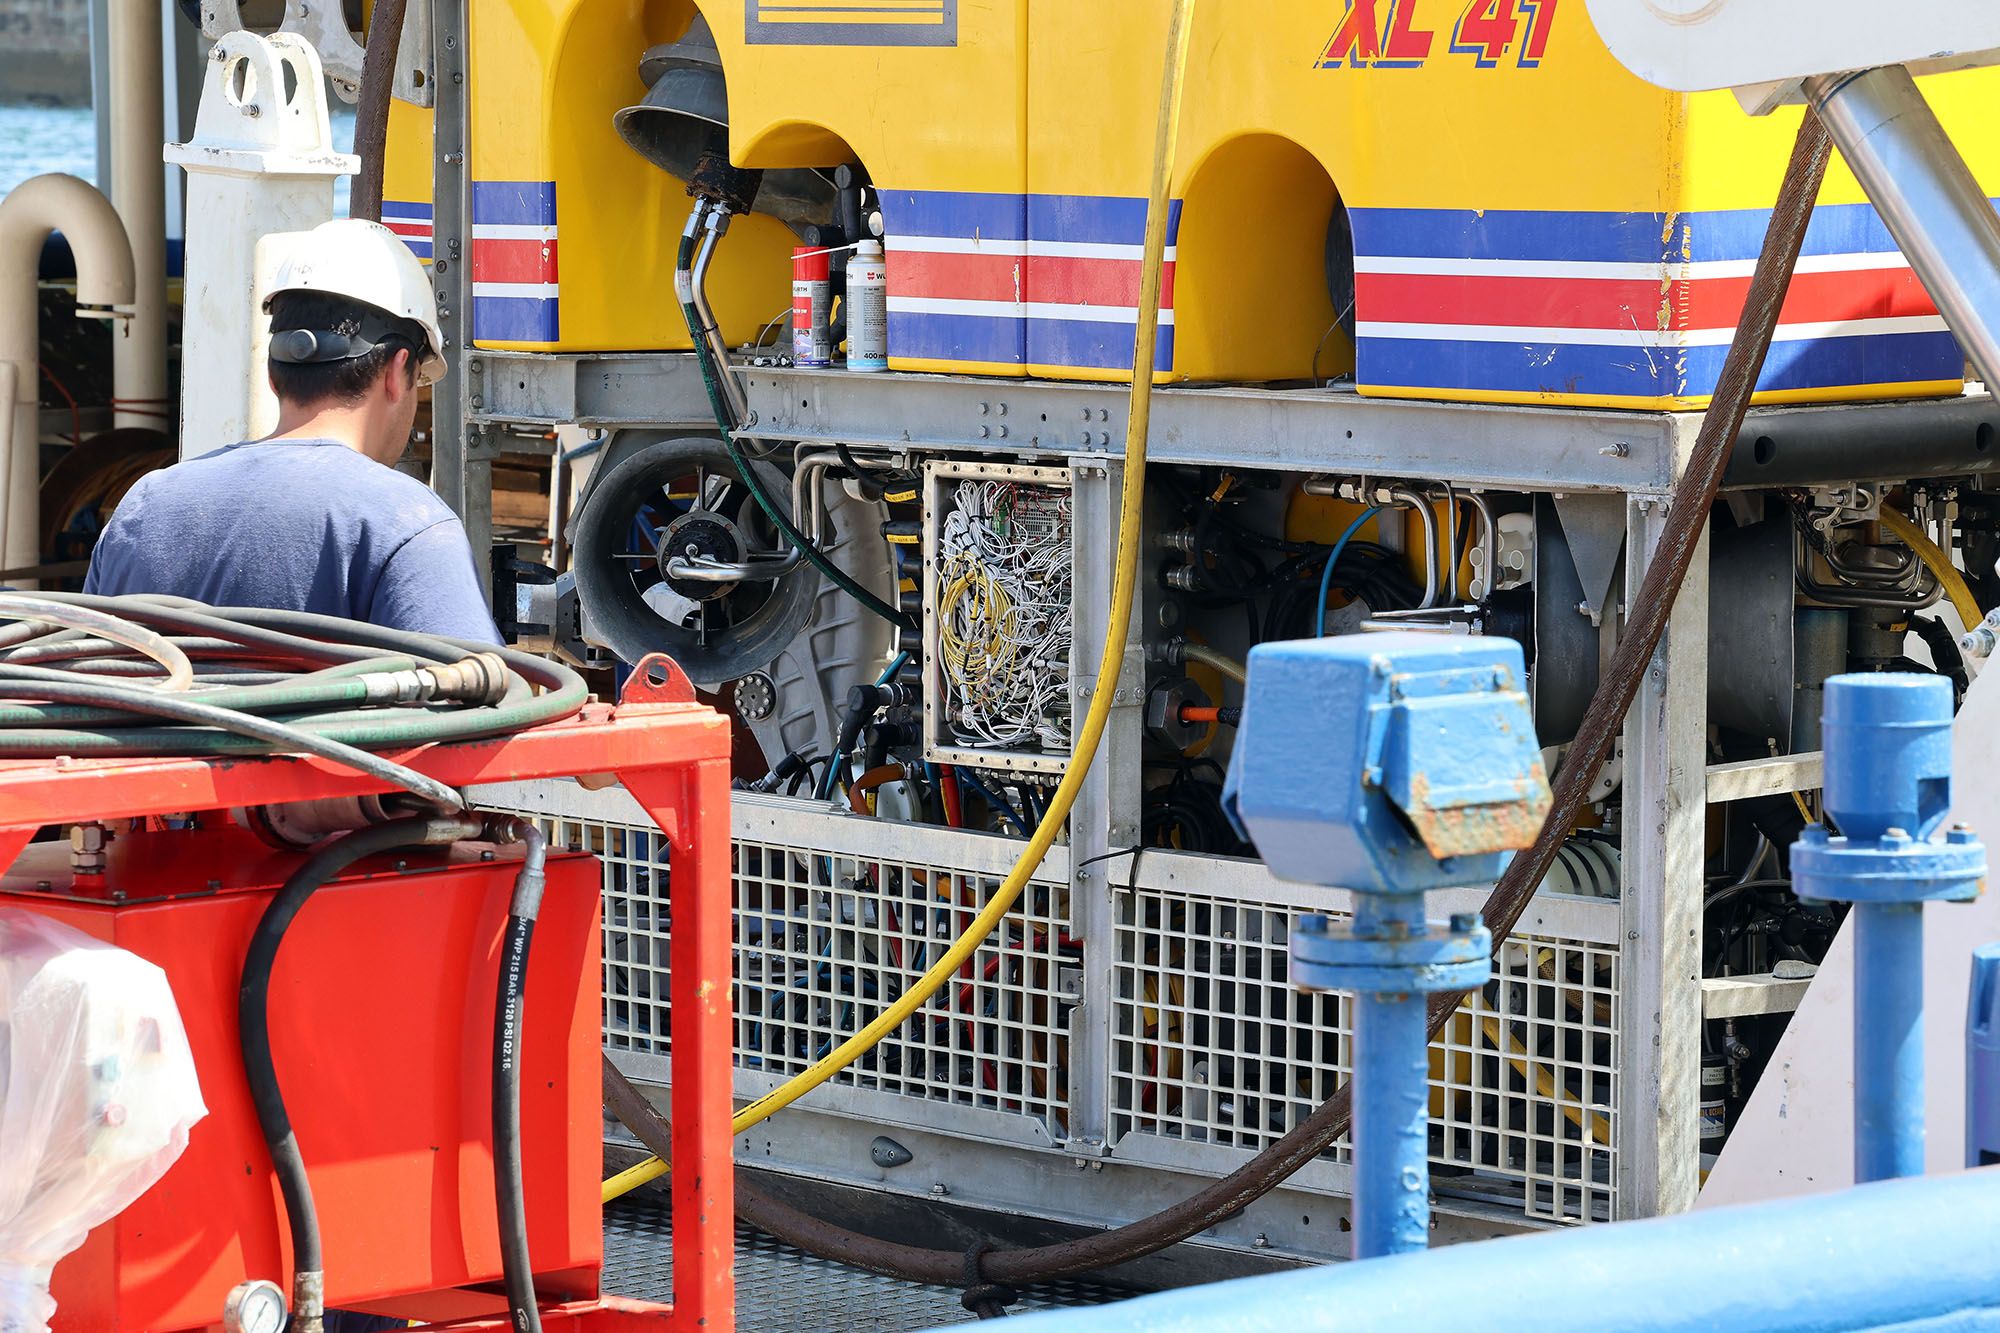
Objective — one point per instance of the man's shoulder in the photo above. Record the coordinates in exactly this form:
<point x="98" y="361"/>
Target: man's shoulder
<point x="319" y="475"/>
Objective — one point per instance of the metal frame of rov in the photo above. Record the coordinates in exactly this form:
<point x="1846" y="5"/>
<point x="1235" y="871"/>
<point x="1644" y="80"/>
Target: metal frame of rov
<point x="1608" y="1107"/>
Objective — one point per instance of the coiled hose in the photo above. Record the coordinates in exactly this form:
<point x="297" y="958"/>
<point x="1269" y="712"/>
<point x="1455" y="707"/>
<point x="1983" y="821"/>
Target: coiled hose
<point x="1687" y="514"/>
<point x="207" y="682"/>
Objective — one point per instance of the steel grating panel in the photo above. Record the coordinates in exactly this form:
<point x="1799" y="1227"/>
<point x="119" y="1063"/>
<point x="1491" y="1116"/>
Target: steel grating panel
<point x="825" y="940"/>
<point x="1211" y="1044"/>
<point x="783" y="1290"/>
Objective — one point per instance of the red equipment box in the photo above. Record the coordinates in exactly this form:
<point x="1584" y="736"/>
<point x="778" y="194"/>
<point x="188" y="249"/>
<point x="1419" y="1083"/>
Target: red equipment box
<point x="381" y="1018"/>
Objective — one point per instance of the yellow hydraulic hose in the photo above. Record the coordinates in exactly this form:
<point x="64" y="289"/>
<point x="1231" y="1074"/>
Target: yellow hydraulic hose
<point x="1938" y="563"/>
<point x="1124" y="585"/>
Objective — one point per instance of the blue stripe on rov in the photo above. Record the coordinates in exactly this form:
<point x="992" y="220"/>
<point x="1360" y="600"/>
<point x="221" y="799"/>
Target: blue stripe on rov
<point x="1605" y="237"/>
<point x="1082" y="344"/>
<point x="1089" y="219"/>
<point x="1650" y="372"/>
<point x="955" y="213"/>
<point x="515" y="319"/>
<point x="515" y="203"/>
<point x="1825" y="363"/>
<point x="992" y="339"/>
<point x="1094" y="219"/>
<point x="1448" y="233"/>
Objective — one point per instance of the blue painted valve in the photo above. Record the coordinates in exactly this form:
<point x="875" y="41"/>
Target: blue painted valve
<point x="1888" y="788"/>
<point x="1388" y="764"/>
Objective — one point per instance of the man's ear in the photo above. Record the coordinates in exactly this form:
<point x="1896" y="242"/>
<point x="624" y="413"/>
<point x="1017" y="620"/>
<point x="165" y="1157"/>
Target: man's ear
<point x="402" y="376"/>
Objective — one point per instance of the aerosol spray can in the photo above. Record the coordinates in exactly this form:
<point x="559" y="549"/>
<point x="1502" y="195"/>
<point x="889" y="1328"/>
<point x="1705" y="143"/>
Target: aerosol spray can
<point x="868" y="308"/>
<point x="812" y="306"/>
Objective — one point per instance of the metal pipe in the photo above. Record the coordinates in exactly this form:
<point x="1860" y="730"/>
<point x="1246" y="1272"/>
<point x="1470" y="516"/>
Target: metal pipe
<point x="1927" y="196"/>
<point x="1403" y="496"/>
<point x="1409" y="499"/>
<point x="1450" y="556"/>
<point x="1982" y="1059"/>
<point x="714" y="224"/>
<point x="1392" y="1112"/>
<point x="140" y="395"/>
<point x="756" y="569"/>
<point x="1490" y="555"/>
<point x="1888" y="788"/>
<point x="1888" y="1041"/>
<point x="808" y="500"/>
<point x="104" y="287"/>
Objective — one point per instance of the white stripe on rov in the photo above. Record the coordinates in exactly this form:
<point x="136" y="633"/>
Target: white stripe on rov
<point x="975" y="245"/>
<point x="511" y="231"/>
<point x="534" y="291"/>
<point x="1686" y="271"/>
<point x="1095" y="314"/>
<point x="1661" y="338"/>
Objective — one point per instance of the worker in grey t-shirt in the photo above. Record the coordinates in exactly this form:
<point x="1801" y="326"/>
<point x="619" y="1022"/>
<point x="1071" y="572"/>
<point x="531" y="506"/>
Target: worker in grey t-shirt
<point x="315" y="518"/>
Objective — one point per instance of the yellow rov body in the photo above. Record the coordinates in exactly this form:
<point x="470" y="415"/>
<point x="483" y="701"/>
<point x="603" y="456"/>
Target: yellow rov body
<point x="1463" y="199"/>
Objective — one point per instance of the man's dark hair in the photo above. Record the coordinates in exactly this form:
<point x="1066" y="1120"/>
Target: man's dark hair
<point x="337" y="381"/>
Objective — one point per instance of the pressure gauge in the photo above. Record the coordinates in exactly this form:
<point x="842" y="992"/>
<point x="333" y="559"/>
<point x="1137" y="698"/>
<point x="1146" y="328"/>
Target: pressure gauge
<point x="256" y="1306"/>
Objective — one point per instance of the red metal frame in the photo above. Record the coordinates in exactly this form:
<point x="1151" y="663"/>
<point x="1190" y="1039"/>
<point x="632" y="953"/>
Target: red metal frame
<point x="673" y="755"/>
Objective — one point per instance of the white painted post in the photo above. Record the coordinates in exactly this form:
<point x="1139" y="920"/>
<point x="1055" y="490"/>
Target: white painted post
<point x="261" y="162"/>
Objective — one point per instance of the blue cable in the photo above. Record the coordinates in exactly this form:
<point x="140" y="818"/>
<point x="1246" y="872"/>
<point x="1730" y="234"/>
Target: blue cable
<point x="1326" y="575"/>
<point x="994" y="799"/>
<point x="894" y="669"/>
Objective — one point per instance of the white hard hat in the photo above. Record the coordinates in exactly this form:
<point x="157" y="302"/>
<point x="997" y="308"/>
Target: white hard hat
<point x="366" y="262"/>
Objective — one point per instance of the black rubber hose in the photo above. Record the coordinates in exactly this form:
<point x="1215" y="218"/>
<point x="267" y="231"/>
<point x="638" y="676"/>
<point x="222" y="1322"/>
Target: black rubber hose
<point x="276" y="736"/>
<point x="1946" y="657"/>
<point x="509" y="1191"/>
<point x="371" y="109"/>
<point x="253" y="1030"/>
<point x="1687" y="513"/>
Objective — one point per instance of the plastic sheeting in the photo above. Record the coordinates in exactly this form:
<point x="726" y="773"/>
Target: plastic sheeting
<point x="97" y="1094"/>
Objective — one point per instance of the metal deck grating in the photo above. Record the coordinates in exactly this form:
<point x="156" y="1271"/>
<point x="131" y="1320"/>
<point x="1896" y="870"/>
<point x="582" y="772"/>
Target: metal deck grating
<point x="785" y="1290"/>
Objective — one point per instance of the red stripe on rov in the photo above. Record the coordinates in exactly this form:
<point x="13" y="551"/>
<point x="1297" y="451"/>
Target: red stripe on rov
<point x="1050" y="279"/>
<point x="513" y="261"/>
<point x="1629" y="303"/>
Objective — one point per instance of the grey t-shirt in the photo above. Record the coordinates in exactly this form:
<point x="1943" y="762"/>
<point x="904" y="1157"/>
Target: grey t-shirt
<point x="296" y="525"/>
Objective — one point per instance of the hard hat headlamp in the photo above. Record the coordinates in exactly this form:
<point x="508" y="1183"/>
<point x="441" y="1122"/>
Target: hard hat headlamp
<point x="315" y="347"/>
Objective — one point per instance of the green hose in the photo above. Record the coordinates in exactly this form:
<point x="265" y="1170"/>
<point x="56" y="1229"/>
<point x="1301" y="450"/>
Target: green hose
<point x="46" y="711"/>
<point x="682" y="271"/>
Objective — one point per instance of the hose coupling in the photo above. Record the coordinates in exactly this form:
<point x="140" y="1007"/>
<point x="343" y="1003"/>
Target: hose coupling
<point x="1983" y="638"/>
<point x="506" y="830"/>
<point x="479" y="679"/>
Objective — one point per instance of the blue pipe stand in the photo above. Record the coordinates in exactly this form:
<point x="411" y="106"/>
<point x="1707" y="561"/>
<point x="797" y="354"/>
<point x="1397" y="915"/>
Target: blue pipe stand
<point x="1982" y="1059"/>
<point x="1888" y="788"/>
<point x="1388" y="764"/>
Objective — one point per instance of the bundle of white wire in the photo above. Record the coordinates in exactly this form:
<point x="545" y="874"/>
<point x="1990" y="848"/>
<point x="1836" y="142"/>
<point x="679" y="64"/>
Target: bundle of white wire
<point x="1004" y="620"/>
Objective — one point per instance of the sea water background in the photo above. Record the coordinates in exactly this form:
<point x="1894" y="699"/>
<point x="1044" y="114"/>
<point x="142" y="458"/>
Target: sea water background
<point x="38" y="139"/>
